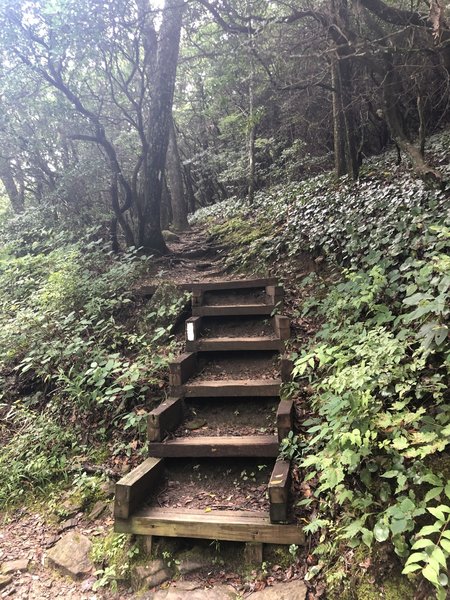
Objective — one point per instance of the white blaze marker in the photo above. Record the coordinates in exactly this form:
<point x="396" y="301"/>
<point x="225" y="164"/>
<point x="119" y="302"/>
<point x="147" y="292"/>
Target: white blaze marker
<point x="190" y="332"/>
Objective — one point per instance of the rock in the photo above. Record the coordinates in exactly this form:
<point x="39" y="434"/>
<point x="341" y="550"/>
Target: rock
<point x="12" y="566"/>
<point x="185" y="590"/>
<point x="169" y="236"/>
<point x="193" y="560"/>
<point x="293" y="590"/>
<point x="151" y="575"/>
<point x="69" y="524"/>
<point x="98" y="508"/>
<point x="71" y="555"/>
<point x="4" y="581"/>
<point x="108" y="488"/>
<point x="71" y="505"/>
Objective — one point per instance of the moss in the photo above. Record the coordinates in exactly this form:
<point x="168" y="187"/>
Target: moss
<point x="278" y="555"/>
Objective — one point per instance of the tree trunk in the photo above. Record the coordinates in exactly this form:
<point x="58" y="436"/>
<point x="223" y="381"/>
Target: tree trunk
<point x="15" y="196"/>
<point x="338" y="122"/>
<point x="150" y="236"/>
<point x="175" y="180"/>
<point x="391" y="94"/>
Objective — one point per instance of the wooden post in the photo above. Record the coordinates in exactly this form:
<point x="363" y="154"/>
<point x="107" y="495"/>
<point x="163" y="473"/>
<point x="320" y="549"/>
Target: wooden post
<point x="182" y="368"/>
<point x="282" y="327"/>
<point x="285" y="418"/>
<point x="286" y="368"/>
<point x="279" y="491"/>
<point x="165" y="418"/>
<point x="253" y="553"/>
<point x="132" y="489"/>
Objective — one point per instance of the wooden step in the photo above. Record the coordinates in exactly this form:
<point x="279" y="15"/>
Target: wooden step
<point x="229" y="310"/>
<point x="233" y="284"/>
<point x="230" y="387"/>
<point x="265" y="446"/>
<point x="279" y="485"/>
<point x="235" y="343"/>
<point x="237" y="526"/>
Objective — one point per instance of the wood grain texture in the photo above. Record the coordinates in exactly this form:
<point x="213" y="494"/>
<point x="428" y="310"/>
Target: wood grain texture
<point x="237" y="526"/>
<point x="231" y="387"/>
<point x="226" y="310"/>
<point x="165" y="418"/>
<point x="236" y="284"/>
<point x="132" y="489"/>
<point x="265" y="446"/>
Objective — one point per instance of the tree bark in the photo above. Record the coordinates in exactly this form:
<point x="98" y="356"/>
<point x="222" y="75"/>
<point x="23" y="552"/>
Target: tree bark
<point x="150" y="236"/>
<point x="14" y="193"/>
<point x="175" y="181"/>
<point x="391" y="94"/>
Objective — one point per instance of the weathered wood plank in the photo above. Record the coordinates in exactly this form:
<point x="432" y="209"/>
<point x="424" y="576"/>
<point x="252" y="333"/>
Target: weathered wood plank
<point x="236" y="284"/>
<point x="253" y="553"/>
<point x="286" y="366"/>
<point x="235" y="343"/>
<point x="279" y="491"/>
<point x="166" y="417"/>
<point x="135" y="486"/>
<point x="228" y="310"/>
<point x="216" y="525"/>
<point x="282" y="327"/>
<point x="274" y="294"/>
<point x="182" y="367"/>
<point x="230" y="387"/>
<point x="285" y="418"/>
<point x="264" y="446"/>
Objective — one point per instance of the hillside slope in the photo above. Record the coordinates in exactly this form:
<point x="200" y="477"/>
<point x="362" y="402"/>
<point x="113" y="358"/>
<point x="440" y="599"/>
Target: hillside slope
<point x="372" y="386"/>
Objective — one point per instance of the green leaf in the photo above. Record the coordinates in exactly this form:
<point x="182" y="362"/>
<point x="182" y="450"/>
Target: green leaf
<point x="416" y="557"/>
<point x="398" y="526"/>
<point x="429" y="573"/>
<point x="422" y="543"/>
<point x="436" y="512"/>
<point x="445" y="544"/>
<point x="411" y="568"/>
<point x="381" y="532"/>
<point x="438" y="555"/>
<point x="433" y="493"/>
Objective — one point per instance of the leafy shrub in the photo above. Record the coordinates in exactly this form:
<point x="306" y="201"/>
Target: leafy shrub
<point x="378" y="368"/>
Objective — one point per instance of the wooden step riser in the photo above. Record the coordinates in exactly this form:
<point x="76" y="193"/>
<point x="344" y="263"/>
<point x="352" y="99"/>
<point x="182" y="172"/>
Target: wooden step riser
<point x="236" y="284"/>
<point x="227" y="391"/>
<point x="233" y="310"/>
<point x="195" y="342"/>
<point x="170" y="414"/>
<point x="221" y="345"/>
<point x="165" y="451"/>
<point x="233" y="526"/>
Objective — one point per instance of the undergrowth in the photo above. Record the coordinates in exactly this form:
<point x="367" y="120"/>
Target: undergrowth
<point x="80" y="357"/>
<point x="377" y="370"/>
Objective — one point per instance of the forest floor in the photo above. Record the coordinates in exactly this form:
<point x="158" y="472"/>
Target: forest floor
<point x="27" y="533"/>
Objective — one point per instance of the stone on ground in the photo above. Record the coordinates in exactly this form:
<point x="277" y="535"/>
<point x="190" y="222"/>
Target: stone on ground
<point x="192" y="560"/>
<point x="12" y="566"/>
<point x="151" y="575"/>
<point x="293" y="590"/>
<point x="187" y="590"/>
<point x="4" y="581"/>
<point x="71" y="555"/>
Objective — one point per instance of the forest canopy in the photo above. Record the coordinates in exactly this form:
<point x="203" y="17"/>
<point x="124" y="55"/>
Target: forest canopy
<point x="131" y="114"/>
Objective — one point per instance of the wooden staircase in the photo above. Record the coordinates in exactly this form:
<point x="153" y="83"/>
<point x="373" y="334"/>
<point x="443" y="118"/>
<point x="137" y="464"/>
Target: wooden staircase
<point x="218" y="356"/>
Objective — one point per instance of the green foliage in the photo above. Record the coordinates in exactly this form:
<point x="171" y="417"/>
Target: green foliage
<point x="115" y="553"/>
<point x="37" y="454"/>
<point x="378" y="368"/>
<point x="71" y="331"/>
